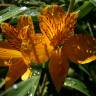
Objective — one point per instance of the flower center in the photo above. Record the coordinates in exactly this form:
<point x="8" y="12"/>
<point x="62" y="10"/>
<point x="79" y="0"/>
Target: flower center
<point x="25" y="45"/>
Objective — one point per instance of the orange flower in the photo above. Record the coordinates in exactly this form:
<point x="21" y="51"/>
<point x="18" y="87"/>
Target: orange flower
<point x="58" y="26"/>
<point x="18" y="50"/>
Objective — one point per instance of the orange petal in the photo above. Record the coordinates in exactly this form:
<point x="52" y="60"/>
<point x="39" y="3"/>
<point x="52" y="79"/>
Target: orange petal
<point x="25" y="21"/>
<point x="3" y="63"/>
<point x="9" y="30"/>
<point x="9" y="53"/>
<point x="11" y="44"/>
<point x="37" y="38"/>
<point x="16" y="70"/>
<point x="56" y="24"/>
<point x="50" y="20"/>
<point x="5" y="44"/>
<point x="81" y="49"/>
<point x="58" y="68"/>
<point x="23" y="34"/>
<point x="41" y="51"/>
<point x="39" y="54"/>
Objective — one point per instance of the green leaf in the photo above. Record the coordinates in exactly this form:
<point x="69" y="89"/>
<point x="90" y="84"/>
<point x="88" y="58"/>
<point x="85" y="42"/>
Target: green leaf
<point x="12" y="12"/>
<point x="77" y="85"/>
<point x="1" y="37"/>
<point x="24" y="87"/>
<point x="83" y="68"/>
<point x="2" y="82"/>
<point x="6" y="9"/>
<point x="77" y="1"/>
<point x="93" y="2"/>
<point x="85" y="9"/>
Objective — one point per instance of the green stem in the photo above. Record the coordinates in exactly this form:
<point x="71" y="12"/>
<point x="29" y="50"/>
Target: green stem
<point x="41" y="87"/>
<point x="90" y="29"/>
<point x="71" y="5"/>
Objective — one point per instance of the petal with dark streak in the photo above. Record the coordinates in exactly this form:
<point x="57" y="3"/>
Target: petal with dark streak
<point x="58" y="68"/>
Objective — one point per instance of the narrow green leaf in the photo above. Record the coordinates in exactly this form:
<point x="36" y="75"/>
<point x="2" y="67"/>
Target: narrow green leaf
<point x="85" y="9"/>
<point x="2" y="82"/>
<point x="93" y="2"/>
<point x="24" y="87"/>
<point x="76" y="84"/>
<point x="6" y="9"/>
<point x="11" y="13"/>
<point x="83" y="68"/>
<point x="1" y="37"/>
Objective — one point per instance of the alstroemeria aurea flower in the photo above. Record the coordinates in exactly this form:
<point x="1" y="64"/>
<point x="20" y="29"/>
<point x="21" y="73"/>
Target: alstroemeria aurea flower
<point x="58" y="26"/>
<point x="18" y="50"/>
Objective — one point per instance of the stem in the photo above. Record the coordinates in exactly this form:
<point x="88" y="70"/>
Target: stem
<point x="71" y="5"/>
<point x="90" y="29"/>
<point x="43" y="85"/>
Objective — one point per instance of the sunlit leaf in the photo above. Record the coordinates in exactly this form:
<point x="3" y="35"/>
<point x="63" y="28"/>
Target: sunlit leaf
<point x="2" y="82"/>
<point x="6" y="9"/>
<point x="77" y="85"/>
<point x="12" y="12"/>
<point x="25" y="87"/>
<point x="85" y="9"/>
<point x="93" y="2"/>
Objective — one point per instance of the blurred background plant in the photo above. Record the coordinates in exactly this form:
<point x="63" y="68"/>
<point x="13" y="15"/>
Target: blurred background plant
<point x="81" y="79"/>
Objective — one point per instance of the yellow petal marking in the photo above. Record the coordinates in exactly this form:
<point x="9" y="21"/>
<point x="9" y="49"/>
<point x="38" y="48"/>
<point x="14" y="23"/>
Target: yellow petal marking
<point x="88" y="60"/>
<point x="27" y="74"/>
<point x="8" y="53"/>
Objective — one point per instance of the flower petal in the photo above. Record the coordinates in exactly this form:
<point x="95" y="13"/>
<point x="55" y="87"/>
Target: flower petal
<point x="25" y="21"/>
<point x="41" y="51"/>
<point x="11" y="35"/>
<point x="11" y="44"/>
<point x="16" y="69"/>
<point x="3" y="63"/>
<point x="56" y="24"/>
<point x="81" y="49"/>
<point x="27" y="74"/>
<point x="23" y="34"/>
<point x="37" y="38"/>
<point x="9" y="53"/>
<point x="58" y="68"/>
<point x="88" y="60"/>
<point x="50" y="21"/>
<point x="9" y="30"/>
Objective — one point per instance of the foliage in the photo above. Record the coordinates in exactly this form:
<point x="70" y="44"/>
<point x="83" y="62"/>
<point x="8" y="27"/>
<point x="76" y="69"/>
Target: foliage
<point x="50" y="59"/>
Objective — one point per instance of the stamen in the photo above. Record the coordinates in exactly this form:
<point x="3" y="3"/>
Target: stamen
<point x="25" y="45"/>
<point x="8" y="62"/>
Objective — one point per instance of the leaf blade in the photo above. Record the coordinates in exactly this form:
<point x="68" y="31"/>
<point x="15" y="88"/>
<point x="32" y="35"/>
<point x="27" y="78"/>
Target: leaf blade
<point x="77" y="85"/>
<point x="11" y="13"/>
<point x="85" y="9"/>
<point x="22" y="88"/>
